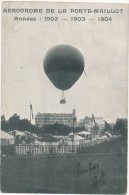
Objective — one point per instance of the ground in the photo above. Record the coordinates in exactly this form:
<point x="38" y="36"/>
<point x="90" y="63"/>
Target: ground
<point x="58" y="173"/>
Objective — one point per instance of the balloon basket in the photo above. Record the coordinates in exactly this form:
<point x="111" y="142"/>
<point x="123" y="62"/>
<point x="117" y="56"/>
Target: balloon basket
<point x="63" y="100"/>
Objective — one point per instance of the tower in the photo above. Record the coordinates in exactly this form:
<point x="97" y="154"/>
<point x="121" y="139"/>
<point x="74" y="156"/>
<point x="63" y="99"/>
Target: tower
<point x="74" y="117"/>
<point x="74" y="111"/>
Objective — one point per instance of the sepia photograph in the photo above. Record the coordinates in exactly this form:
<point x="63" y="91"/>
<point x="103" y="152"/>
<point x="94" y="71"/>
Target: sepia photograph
<point x="64" y="90"/>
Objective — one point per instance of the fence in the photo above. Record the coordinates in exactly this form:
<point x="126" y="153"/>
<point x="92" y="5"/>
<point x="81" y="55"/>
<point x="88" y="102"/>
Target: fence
<point x="38" y="149"/>
<point x="45" y="149"/>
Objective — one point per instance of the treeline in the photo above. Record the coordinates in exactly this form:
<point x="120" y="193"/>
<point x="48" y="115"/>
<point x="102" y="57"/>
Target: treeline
<point x="119" y="128"/>
<point x="15" y="123"/>
<point x="59" y="129"/>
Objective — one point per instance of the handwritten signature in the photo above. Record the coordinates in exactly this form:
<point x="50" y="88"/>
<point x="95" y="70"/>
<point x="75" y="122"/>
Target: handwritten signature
<point x="99" y="180"/>
<point x="90" y="167"/>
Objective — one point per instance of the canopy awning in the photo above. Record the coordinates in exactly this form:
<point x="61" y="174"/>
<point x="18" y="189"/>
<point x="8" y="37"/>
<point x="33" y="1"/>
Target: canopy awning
<point x="4" y="135"/>
<point x="83" y="133"/>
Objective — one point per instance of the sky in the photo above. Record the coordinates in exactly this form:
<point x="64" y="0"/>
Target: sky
<point x="104" y="47"/>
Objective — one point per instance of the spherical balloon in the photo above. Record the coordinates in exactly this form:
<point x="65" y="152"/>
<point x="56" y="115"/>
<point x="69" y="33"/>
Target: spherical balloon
<point x="63" y="64"/>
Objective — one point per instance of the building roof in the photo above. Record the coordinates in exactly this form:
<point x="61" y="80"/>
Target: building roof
<point x="53" y="114"/>
<point x="84" y="133"/>
<point x="103" y="137"/>
<point x="99" y="121"/>
<point x="71" y="133"/>
<point x="4" y="135"/>
<point x="60" y="136"/>
<point x="76" y="138"/>
<point x="48" y="138"/>
<point x="18" y="132"/>
<point x="108" y="134"/>
<point x="37" y="142"/>
<point x="80" y="133"/>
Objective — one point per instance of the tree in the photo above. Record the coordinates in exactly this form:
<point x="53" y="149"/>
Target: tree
<point x="4" y="124"/>
<point x="78" y="129"/>
<point x="95" y="129"/>
<point x="108" y="127"/>
<point x="55" y="129"/>
<point x="25" y="125"/>
<point x="2" y="118"/>
<point x="120" y="127"/>
<point x="14" y="122"/>
<point x="15" y="118"/>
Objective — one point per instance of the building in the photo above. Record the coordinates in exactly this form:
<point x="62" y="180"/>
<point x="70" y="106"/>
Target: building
<point x="52" y="118"/>
<point x="100" y="122"/>
<point x="6" y="139"/>
<point x="75" y="140"/>
<point x="48" y="140"/>
<point x="84" y="134"/>
<point x="16" y="133"/>
<point x="89" y="122"/>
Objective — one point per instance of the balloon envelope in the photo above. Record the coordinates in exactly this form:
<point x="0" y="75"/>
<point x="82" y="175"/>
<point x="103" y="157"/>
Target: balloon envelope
<point x="63" y="64"/>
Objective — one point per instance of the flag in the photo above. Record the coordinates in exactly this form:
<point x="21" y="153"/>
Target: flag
<point x="31" y="111"/>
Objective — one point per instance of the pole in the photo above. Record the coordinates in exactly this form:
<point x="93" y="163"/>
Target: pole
<point x="30" y="112"/>
<point x="30" y="116"/>
<point x="73" y="132"/>
<point x="72" y="144"/>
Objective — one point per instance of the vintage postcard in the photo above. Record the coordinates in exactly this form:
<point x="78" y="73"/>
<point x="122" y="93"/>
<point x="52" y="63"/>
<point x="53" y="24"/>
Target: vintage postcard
<point x="64" y="97"/>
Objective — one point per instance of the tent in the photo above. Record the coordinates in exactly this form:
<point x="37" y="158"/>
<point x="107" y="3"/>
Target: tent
<point x="6" y="139"/>
<point x="85" y="134"/>
<point x="16" y="133"/>
<point x="72" y="133"/>
<point x="76" y="140"/>
<point x="48" y="140"/>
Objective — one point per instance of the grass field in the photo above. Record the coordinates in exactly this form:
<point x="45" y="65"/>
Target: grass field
<point x="56" y="173"/>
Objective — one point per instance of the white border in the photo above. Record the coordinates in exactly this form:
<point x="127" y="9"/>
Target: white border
<point x="87" y="1"/>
